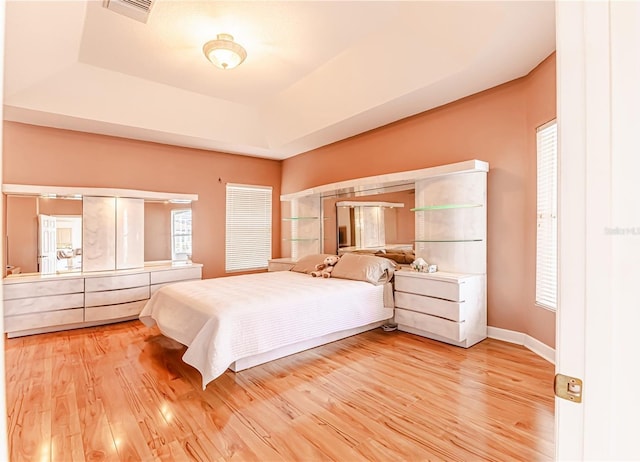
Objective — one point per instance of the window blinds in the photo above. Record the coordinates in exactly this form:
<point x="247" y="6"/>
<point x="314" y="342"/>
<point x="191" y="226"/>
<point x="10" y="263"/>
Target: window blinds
<point x="248" y="227"/>
<point x="547" y="222"/>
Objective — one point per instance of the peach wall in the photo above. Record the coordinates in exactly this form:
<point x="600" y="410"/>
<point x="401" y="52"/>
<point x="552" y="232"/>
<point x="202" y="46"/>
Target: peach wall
<point x="49" y="206"/>
<point x="48" y="156"/>
<point x="541" y="81"/>
<point x="22" y="233"/>
<point x="496" y="126"/>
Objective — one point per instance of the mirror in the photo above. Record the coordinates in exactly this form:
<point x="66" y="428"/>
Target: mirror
<point x="167" y="231"/>
<point x="52" y="228"/>
<point x="43" y="234"/>
<point x="369" y="222"/>
<point x="361" y="225"/>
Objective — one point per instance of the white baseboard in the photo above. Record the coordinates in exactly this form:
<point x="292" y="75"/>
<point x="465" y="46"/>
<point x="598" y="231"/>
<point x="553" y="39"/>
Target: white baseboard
<point x="539" y="348"/>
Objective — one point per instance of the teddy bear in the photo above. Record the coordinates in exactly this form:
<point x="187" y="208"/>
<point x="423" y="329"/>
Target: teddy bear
<point x="324" y="269"/>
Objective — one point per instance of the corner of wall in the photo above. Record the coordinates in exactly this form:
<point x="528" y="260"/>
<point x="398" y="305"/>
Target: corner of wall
<point x="518" y="338"/>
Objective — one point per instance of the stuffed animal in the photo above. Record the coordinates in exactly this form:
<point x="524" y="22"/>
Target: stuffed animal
<point x="323" y="270"/>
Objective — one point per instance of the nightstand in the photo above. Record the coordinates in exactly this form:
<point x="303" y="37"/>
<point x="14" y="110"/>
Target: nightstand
<point x="448" y="307"/>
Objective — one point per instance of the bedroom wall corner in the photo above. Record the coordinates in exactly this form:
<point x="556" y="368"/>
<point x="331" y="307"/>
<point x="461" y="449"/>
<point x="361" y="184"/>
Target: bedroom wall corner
<point x="493" y="126"/>
<point x="518" y="338"/>
<point x="541" y="108"/>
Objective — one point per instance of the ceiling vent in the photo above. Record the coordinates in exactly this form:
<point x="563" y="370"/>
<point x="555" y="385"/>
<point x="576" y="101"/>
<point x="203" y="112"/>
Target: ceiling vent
<point x="134" y="9"/>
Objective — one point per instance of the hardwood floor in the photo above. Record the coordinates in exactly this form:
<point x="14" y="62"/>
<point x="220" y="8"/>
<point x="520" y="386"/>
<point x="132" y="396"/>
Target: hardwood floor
<point x="122" y="392"/>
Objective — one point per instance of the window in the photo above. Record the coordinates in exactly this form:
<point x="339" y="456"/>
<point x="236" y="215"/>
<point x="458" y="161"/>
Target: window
<point x="547" y="221"/>
<point x="181" y="234"/>
<point x="248" y="238"/>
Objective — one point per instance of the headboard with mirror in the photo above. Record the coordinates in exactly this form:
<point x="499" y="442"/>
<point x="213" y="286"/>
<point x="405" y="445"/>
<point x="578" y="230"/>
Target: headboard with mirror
<point x="369" y="222"/>
<point x="44" y="226"/>
<point x="443" y="212"/>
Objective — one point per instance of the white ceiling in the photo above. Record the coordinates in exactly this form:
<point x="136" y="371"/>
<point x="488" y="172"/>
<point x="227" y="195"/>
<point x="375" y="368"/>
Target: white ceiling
<point x="316" y="71"/>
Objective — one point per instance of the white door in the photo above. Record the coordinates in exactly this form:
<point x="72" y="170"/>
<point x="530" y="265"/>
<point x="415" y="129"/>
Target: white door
<point x="599" y="228"/>
<point x="47" y="257"/>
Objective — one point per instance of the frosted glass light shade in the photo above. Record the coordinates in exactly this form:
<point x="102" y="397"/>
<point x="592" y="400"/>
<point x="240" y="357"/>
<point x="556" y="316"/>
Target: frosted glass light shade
<point x="223" y="52"/>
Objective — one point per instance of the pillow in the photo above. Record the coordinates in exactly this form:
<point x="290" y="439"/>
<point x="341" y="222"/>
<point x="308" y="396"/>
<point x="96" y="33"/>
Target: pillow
<point x="376" y="270"/>
<point x="308" y="263"/>
<point x="399" y="256"/>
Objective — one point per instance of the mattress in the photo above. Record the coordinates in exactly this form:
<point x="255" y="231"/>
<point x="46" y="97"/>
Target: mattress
<point x="225" y="319"/>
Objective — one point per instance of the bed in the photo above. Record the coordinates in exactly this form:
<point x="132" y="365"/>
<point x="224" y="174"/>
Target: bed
<point x="240" y="321"/>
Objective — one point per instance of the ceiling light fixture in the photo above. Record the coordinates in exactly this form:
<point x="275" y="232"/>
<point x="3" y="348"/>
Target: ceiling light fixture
<point x="223" y="52"/>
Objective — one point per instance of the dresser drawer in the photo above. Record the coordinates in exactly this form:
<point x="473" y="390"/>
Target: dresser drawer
<point x="43" y="288"/>
<point x="452" y="330"/>
<point x="116" y="282"/>
<point x="42" y="304"/>
<point x="123" y="310"/>
<point x="174" y="275"/>
<point x="40" y="320"/>
<point x="431" y="287"/>
<point x="454" y="311"/>
<point x="112" y="297"/>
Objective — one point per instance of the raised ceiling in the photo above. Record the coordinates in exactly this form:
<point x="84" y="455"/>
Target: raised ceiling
<point x="316" y="72"/>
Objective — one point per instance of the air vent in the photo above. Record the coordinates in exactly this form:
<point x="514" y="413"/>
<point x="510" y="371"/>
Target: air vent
<point x="134" y="9"/>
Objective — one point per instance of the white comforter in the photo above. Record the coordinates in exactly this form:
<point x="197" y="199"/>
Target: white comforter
<point x="225" y="319"/>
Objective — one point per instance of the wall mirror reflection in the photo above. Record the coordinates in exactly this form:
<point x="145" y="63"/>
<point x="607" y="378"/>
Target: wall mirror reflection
<point x="44" y="234"/>
<point x="167" y="231"/>
<point x="361" y="225"/>
<point x="375" y="222"/>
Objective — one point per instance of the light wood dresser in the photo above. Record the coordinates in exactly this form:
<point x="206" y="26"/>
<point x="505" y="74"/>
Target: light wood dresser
<point x="46" y="303"/>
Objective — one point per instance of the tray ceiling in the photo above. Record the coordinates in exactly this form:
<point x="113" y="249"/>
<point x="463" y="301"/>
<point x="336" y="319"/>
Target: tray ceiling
<point x="316" y="72"/>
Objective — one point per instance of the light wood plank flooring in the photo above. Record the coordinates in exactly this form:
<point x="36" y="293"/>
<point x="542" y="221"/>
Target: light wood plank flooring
<point x="122" y="392"/>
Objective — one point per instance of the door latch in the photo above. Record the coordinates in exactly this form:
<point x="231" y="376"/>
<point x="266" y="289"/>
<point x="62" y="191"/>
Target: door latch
<point x="569" y="388"/>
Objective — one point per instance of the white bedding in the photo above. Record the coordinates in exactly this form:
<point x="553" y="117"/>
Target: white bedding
<point x="225" y="319"/>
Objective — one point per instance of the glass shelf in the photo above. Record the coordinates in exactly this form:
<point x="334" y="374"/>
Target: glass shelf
<point x="448" y="240"/>
<point x="299" y="218"/>
<point x="444" y="207"/>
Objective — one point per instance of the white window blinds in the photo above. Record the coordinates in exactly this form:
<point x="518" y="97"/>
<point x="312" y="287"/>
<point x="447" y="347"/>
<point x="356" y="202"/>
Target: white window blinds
<point x="248" y="236"/>
<point x="547" y="222"/>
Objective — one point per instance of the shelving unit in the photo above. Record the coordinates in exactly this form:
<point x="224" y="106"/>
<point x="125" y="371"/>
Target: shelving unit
<point x="305" y="226"/>
<point x="451" y="222"/>
<point x="451" y="227"/>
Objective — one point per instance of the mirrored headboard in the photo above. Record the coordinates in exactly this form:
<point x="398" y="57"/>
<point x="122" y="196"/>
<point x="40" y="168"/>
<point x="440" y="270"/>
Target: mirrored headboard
<point x="374" y="224"/>
<point x="373" y="188"/>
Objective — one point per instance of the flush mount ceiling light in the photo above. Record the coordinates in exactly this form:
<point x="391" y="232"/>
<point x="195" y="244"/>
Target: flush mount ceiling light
<point x="223" y="52"/>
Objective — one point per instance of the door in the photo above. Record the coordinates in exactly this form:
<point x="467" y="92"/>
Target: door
<point x="599" y="227"/>
<point x="47" y="257"/>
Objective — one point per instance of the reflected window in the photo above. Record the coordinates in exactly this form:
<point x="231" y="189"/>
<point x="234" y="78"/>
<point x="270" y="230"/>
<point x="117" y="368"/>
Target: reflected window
<point x="181" y="234"/>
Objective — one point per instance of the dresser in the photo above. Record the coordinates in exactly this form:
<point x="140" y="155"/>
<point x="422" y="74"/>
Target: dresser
<point x="46" y="303"/>
<point x="448" y="307"/>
